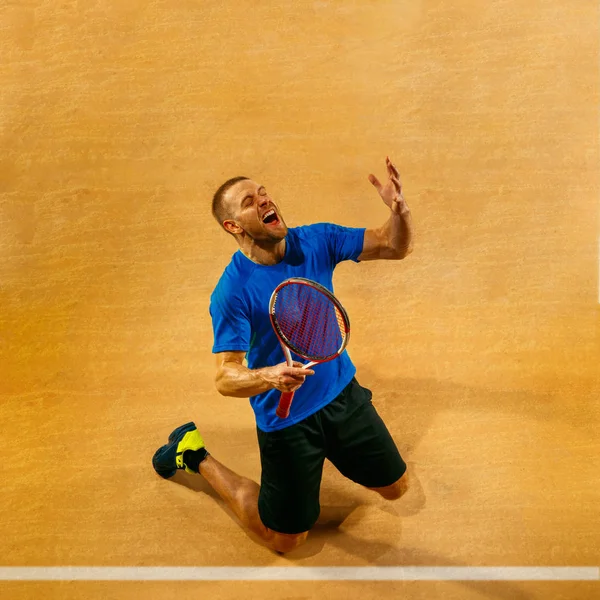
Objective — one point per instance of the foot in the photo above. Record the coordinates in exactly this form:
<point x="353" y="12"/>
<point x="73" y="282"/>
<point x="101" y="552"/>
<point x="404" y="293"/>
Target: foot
<point x="170" y="457"/>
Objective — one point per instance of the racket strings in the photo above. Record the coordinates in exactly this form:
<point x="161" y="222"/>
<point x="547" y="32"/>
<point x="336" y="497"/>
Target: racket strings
<point x="310" y="321"/>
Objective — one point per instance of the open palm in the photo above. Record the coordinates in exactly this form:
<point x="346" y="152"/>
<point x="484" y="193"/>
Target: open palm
<point x="391" y="192"/>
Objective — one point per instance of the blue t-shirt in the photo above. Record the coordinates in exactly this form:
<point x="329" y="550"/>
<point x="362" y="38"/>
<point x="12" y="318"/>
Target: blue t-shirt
<point x="239" y="307"/>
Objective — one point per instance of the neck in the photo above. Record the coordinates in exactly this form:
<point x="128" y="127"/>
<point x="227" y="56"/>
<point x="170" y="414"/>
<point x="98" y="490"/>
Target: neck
<point x="267" y="254"/>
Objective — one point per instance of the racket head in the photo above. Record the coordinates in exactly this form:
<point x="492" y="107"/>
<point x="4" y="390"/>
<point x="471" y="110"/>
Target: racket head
<point x="309" y="319"/>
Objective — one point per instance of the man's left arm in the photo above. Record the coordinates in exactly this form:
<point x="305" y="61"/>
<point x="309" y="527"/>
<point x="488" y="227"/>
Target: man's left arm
<point x="393" y="240"/>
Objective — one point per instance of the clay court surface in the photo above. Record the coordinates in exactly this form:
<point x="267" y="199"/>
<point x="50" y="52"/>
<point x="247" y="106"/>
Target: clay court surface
<point x="119" y="120"/>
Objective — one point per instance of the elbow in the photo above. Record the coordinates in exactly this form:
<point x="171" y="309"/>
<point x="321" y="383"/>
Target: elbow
<point x="220" y="383"/>
<point x="403" y="252"/>
<point x="407" y="251"/>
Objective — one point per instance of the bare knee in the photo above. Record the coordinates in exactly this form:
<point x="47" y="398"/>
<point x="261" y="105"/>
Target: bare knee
<point x="286" y="542"/>
<point x="394" y="491"/>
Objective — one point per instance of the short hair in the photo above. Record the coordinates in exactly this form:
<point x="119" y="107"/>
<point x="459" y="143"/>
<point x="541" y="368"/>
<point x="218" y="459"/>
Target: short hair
<point x="219" y="210"/>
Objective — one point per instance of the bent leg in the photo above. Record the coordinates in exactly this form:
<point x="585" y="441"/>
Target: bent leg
<point x="360" y="445"/>
<point x="394" y="491"/>
<point x="241" y="495"/>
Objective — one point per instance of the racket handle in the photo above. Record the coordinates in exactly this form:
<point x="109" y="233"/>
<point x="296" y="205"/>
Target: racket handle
<point x="283" y="410"/>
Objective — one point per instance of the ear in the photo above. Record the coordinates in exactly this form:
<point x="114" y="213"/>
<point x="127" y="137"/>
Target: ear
<point x="232" y="227"/>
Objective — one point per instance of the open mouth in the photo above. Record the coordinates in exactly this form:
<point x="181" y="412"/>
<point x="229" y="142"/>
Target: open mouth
<point x="270" y="218"/>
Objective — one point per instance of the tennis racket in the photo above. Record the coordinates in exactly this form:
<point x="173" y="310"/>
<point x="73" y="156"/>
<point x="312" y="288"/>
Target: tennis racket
<point x="310" y="322"/>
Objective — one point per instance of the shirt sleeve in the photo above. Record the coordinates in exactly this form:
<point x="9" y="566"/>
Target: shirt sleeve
<point x="231" y="325"/>
<point x="345" y="243"/>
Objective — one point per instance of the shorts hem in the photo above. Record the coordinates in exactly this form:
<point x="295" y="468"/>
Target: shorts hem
<point x="379" y="485"/>
<point x="279" y="529"/>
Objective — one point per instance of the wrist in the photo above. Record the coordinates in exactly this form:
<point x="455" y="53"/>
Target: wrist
<point x="400" y="209"/>
<point x="265" y="376"/>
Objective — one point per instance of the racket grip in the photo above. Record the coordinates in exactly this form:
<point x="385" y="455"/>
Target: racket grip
<point x="283" y="409"/>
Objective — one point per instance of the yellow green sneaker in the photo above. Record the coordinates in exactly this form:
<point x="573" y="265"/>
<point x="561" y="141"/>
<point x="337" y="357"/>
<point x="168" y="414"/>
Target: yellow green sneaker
<point x="168" y="458"/>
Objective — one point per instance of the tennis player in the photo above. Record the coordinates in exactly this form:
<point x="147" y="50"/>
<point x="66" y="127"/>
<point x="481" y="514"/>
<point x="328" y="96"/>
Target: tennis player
<point x="332" y="416"/>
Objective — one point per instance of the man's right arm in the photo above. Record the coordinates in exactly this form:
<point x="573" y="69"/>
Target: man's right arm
<point x="235" y="379"/>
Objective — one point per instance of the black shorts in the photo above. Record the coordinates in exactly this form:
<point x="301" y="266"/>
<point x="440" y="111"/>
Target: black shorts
<point x="349" y="432"/>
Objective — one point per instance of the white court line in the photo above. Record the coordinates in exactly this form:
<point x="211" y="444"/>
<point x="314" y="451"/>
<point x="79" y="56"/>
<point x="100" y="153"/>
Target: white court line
<point x="299" y="573"/>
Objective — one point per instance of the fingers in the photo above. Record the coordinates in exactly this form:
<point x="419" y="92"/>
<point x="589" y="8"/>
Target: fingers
<point x="299" y="373"/>
<point x="287" y="379"/>
<point x="297" y="369"/>
<point x="397" y="184"/>
<point x="392" y="171"/>
<point x="375" y="182"/>
<point x="393" y="175"/>
<point x="292" y="378"/>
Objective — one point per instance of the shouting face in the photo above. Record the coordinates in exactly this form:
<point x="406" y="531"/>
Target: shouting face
<point x="253" y="213"/>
